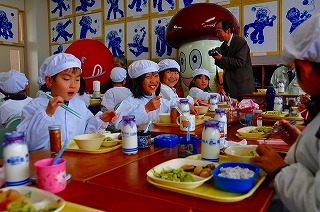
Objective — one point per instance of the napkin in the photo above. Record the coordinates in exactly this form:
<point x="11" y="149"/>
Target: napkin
<point x="273" y="142"/>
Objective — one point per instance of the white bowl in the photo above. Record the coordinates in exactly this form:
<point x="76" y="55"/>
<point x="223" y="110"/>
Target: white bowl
<point x="165" y="118"/>
<point x="111" y="140"/>
<point x="176" y="164"/>
<point x="89" y="141"/>
<point x="247" y="132"/>
<point x="202" y="109"/>
<point x="241" y="153"/>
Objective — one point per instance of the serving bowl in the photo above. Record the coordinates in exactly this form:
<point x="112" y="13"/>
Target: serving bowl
<point x="202" y="109"/>
<point x="235" y="185"/>
<point x="262" y="90"/>
<point x="111" y="139"/>
<point x="241" y="153"/>
<point x="89" y="141"/>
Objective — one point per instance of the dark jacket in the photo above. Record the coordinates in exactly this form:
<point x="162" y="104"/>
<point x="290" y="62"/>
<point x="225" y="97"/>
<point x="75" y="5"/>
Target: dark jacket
<point x="236" y="62"/>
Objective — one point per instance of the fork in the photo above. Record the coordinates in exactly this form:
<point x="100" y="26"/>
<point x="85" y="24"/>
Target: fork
<point x="278" y="130"/>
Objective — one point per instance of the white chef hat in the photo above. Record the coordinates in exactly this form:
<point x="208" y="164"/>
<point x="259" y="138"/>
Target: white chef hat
<point x="168" y="64"/>
<point x="304" y="42"/>
<point x="13" y="82"/>
<point x="60" y="62"/>
<point x="118" y="74"/>
<point x="141" y="67"/>
<point x="43" y="69"/>
<point x="201" y="71"/>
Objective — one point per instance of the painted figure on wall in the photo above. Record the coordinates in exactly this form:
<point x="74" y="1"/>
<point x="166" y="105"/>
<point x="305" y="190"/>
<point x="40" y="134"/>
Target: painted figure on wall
<point x="59" y="50"/>
<point x="138" y="3"/>
<point x="161" y="44"/>
<point x="114" y="7"/>
<point x="159" y="4"/>
<point x="137" y="47"/>
<point x="62" y="32"/>
<point x="187" y="2"/>
<point x="5" y="25"/>
<point x="296" y="17"/>
<point x="85" y="23"/>
<point x="114" y="42"/>
<point x="60" y="6"/>
<point x="262" y="20"/>
<point x="84" y="4"/>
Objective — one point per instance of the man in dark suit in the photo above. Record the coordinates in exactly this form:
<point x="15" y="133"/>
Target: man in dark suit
<point x="235" y="60"/>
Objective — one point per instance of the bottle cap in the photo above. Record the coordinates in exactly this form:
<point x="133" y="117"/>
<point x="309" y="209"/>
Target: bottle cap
<point x="54" y="127"/>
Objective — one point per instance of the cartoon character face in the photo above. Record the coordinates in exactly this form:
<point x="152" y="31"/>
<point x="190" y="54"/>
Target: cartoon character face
<point x="194" y="55"/>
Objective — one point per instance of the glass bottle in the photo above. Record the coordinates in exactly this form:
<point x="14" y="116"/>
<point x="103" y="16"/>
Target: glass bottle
<point x="257" y="118"/>
<point x="278" y="103"/>
<point x="210" y="147"/>
<point x="270" y="95"/>
<point x="281" y="86"/>
<point x="129" y="135"/>
<point x="184" y="106"/>
<point x="55" y="138"/>
<point x="221" y="116"/>
<point x="214" y="100"/>
<point x="15" y="159"/>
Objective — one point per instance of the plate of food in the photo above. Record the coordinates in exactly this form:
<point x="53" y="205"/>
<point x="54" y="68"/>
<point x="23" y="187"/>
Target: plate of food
<point x="112" y="139"/>
<point x="182" y="173"/>
<point x="26" y="198"/>
<point x="254" y="131"/>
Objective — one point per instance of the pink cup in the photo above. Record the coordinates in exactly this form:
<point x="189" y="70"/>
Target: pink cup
<point x="51" y="177"/>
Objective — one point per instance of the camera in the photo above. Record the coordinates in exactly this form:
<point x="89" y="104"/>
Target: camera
<point x="213" y="52"/>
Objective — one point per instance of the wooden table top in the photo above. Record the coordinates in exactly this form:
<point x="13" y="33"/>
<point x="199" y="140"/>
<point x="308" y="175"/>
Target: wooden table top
<point x="116" y="182"/>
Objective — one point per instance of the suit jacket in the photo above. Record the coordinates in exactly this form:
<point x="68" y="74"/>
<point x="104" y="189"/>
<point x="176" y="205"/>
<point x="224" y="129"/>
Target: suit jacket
<point x="236" y="62"/>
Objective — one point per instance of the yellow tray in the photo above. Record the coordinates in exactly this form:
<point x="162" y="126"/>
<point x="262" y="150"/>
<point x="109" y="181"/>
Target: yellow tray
<point x="282" y="115"/>
<point x="209" y="191"/>
<point x="250" y="137"/>
<point x="73" y="207"/>
<point x="73" y="147"/>
<point x="199" y="120"/>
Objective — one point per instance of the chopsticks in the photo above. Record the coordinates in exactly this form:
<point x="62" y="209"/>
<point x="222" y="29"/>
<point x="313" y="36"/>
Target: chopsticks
<point x="278" y="130"/>
<point x="66" y="107"/>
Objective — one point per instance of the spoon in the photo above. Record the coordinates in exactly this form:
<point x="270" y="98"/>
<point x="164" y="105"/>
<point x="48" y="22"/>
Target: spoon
<point x="179" y="111"/>
<point x="148" y="125"/>
<point x="57" y="158"/>
<point x="188" y="133"/>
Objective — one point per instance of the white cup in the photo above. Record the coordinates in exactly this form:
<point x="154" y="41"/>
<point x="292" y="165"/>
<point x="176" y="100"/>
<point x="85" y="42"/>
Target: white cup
<point x="183" y="122"/>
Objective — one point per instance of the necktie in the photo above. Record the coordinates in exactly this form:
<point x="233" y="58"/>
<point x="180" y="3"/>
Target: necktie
<point x="290" y="76"/>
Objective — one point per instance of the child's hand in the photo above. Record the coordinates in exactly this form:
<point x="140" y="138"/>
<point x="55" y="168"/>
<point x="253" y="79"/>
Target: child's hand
<point x="108" y="116"/>
<point x="153" y="104"/>
<point x="53" y="104"/>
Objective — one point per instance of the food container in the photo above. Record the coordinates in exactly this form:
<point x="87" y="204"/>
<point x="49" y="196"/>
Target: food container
<point x="186" y="148"/>
<point x="235" y="185"/>
<point x="166" y="140"/>
<point x="241" y="153"/>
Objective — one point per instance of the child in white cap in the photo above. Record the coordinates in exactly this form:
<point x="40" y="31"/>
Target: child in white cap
<point x="114" y="96"/>
<point x="296" y="178"/>
<point x="14" y="86"/>
<point x="169" y="72"/>
<point x="145" y="102"/>
<point x="62" y="76"/>
<point x="199" y="86"/>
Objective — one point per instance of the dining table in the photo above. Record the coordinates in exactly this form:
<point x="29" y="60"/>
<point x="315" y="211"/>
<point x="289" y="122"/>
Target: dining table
<point x="114" y="181"/>
<point x="260" y="97"/>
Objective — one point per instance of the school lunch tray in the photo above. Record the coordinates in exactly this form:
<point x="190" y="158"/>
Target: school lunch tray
<point x="209" y="191"/>
<point x="282" y="115"/>
<point x="198" y="122"/>
<point x="73" y="147"/>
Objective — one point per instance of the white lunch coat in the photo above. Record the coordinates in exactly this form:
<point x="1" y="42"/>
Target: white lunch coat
<point x="136" y="107"/>
<point x="298" y="185"/>
<point x="114" y="96"/>
<point x="170" y="93"/>
<point x="10" y="109"/>
<point x="281" y="74"/>
<point x="35" y="122"/>
<point x="85" y="97"/>
<point x="195" y="92"/>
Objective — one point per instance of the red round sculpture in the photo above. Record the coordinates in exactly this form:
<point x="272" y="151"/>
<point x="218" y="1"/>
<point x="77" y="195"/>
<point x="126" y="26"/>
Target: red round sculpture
<point x="197" y="22"/>
<point x="96" y="61"/>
